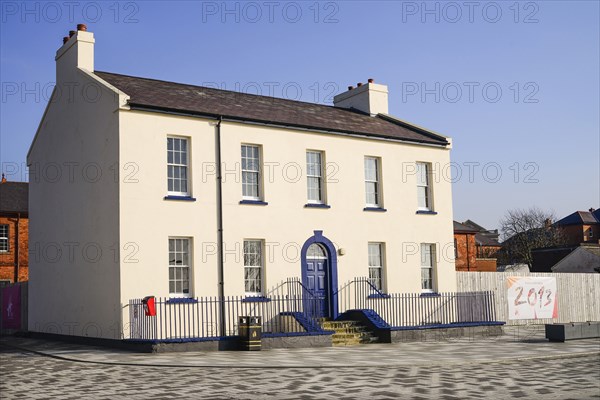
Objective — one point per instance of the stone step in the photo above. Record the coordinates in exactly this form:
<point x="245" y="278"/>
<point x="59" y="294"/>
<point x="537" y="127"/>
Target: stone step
<point x="355" y="329"/>
<point x="331" y="325"/>
<point x="348" y="333"/>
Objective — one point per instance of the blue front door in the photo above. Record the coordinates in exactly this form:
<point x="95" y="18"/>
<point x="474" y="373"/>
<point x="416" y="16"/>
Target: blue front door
<point x="316" y="282"/>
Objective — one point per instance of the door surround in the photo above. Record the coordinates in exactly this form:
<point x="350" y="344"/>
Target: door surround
<point x="332" y="279"/>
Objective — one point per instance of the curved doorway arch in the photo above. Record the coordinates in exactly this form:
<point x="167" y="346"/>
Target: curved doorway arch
<point x="319" y="272"/>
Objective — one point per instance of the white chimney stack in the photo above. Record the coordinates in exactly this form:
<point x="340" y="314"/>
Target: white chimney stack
<point x="77" y="51"/>
<point x="370" y="98"/>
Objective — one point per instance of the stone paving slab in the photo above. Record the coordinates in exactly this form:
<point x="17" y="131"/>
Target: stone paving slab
<point x="27" y="375"/>
<point x="512" y="346"/>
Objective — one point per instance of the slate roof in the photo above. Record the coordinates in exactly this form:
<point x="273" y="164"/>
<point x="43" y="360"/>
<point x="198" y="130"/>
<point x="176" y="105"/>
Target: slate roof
<point x="460" y="228"/>
<point x="484" y="240"/>
<point x="14" y="197"/>
<point x="198" y="100"/>
<point x="483" y="237"/>
<point x="580" y="218"/>
<point x="474" y="225"/>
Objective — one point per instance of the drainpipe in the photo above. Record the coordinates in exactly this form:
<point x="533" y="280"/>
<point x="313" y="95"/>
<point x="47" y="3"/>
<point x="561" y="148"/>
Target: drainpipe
<point x="468" y="254"/>
<point x="221" y="286"/>
<point x="17" y="248"/>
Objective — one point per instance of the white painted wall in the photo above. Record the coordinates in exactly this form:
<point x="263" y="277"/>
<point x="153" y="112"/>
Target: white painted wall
<point x="123" y="212"/>
<point x="284" y="224"/>
<point x="147" y="220"/>
<point x="74" y="212"/>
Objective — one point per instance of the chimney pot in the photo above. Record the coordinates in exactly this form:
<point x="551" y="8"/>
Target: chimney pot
<point x="71" y="33"/>
<point x="372" y="101"/>
<point x="82" y="27"/>
<point x="65" y="39"/>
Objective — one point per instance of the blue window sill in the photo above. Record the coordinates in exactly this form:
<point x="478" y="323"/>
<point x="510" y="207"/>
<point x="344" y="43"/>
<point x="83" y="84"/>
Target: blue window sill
<point x="426" y="212"/>
<point x="379" y="296"/>
<point x="181" y="300"/>
<point x="432" y="294"/>
<point x="183" y="198"/>
<point x="316" y="205"/>
<point x="254" y="202"/>
<point x="256" y="299"/>
<point x="377" y="209"/>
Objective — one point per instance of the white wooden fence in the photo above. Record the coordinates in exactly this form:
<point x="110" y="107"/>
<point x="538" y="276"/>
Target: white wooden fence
<point x="578" y="294"/>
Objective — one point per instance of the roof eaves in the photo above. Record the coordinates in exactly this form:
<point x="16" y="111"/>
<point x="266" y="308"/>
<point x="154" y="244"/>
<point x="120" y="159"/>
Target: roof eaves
<point x="146" y="107"/>
<point x="410" y="125"/>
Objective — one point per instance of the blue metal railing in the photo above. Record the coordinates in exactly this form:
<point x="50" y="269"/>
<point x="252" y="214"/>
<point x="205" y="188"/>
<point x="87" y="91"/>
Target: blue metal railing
<point x="417" y="309"/>
<point x="287" y="308"/>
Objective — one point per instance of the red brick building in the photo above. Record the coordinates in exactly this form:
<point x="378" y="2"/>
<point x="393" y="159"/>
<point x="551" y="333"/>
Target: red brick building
<point x="14" y="231"/>
<point x="464" y="247"/>
<point x="581" y="227"/>
<point x="475" y="247"/>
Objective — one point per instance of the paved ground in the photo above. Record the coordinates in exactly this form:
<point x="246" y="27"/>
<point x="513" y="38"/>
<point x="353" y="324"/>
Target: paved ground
<point x="518" y="365"/>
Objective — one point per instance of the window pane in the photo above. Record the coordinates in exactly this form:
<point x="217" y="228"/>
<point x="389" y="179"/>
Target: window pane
<point x="371" y="193"/>
<point x="177" y="164"/>
<point x="426" y="282"/>
<point x="315" y="251"/>
<point x="250" y="171"/>
<point x="375" y="277"/>
<point x="314" y="176"/>
<point x="253" y="266"/>
<point x="422" y="178"/>
<point x="371" y="169"/>
<point x="422" y="197"/>
<point x="374" y="254"/>
<point x="4" y="238"/>
<point x="427" y="265"/>
<point x="314" y="189"/>
<point x="425" y="255"/>
<point x="179" y="272"/>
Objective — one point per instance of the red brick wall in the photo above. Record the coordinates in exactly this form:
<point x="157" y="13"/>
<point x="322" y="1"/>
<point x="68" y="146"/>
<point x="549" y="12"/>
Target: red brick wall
<point x="575" y="234"/>
<point x="465" y="251"/>
<point x="7" y="260"/>
<point x="485" y="264"/>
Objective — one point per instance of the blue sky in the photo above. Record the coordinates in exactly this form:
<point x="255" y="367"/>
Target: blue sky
<point x="516" y="84"/>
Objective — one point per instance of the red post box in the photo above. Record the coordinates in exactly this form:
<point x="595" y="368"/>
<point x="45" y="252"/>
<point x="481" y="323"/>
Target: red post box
<point x="149" y="306"/>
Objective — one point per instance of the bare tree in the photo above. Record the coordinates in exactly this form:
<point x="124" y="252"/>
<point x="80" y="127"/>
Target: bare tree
<point x="525" y="230"/>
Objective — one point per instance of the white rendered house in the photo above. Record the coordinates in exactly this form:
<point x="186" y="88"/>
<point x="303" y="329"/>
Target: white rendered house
<point x="179" y="191"/>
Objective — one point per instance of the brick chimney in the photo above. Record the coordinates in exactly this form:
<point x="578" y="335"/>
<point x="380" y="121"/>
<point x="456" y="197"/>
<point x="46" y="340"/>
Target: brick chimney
<point x="77" y="51"/>
<point x="3" y="179"/>
<point x="370" y="98"/>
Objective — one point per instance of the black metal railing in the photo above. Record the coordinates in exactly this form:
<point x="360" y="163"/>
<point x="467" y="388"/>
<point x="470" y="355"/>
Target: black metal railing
<point x="417" y="309"/>
<point x="287" y="308"/>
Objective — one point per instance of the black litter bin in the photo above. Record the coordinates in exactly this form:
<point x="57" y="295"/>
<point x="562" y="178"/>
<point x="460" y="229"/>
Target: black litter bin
<point x="250" y="331"/>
